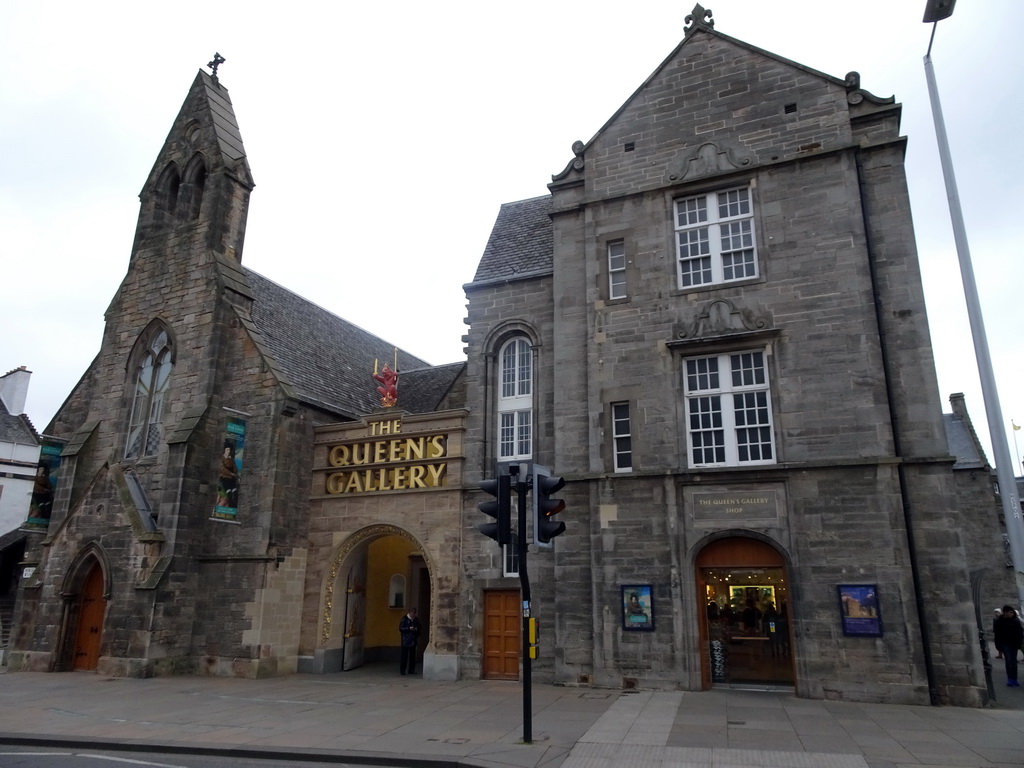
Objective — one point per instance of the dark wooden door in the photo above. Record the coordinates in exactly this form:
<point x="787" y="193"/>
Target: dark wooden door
<point x="503" y="625"/>
<point x="92" y="609"/>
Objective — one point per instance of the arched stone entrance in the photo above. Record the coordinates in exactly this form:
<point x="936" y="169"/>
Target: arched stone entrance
<point x="92" y="607"/>
<point x="85" y="594"/>
<point x="376" y="575"/>
<point x="746" y="617"/>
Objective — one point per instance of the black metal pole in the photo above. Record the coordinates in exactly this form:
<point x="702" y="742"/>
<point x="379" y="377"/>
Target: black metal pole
<point x="524" y="581"/>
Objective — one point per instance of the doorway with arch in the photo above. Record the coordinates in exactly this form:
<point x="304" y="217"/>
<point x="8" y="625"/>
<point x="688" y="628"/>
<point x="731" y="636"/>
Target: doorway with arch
<point x="85" y="595"/>
<point x="376" y="576"/>
<point x="746" y="618"/>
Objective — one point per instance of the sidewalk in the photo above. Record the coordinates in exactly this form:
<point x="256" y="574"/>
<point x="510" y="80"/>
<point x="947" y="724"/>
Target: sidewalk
<point x="373" y="714"/>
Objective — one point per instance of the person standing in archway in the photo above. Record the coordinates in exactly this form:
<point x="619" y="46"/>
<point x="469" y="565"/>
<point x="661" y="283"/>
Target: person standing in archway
<point x="409" y="627"/>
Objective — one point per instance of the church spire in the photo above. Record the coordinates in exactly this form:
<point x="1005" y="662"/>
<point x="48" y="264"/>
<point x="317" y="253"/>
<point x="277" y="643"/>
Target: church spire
<point x="200" y="184"/>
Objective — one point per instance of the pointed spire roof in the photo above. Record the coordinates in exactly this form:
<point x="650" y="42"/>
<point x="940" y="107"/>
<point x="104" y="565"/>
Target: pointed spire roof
<point x="229" y="138"/>
<point x="206" y="122"/>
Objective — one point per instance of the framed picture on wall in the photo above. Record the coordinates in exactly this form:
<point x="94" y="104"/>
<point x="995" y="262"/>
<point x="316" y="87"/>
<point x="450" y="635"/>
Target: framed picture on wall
<point x="859" y="610"/>
<point x="637" y="608"/>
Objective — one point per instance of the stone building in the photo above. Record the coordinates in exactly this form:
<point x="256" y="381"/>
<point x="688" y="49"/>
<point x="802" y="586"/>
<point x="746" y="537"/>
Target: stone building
<point x="19" y="477"/>
<point x="713" y="327"/>
<point x="984" y="529"/>
<point x="178" y="535"/>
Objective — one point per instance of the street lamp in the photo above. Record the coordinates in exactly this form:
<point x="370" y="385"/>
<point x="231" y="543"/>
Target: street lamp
<point x="935" y="11"/>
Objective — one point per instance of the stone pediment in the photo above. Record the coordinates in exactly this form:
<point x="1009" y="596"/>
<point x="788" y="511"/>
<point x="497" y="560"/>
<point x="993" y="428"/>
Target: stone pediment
<point x="721" y="319"/>
<point x="705" y="160"/>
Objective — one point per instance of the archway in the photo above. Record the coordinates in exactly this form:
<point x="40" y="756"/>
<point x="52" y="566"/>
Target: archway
<point x="376" y="576"/>
<point x="746" y="623"/>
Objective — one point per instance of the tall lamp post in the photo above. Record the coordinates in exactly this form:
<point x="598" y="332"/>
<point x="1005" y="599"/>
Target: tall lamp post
<point x="935" y="11"/>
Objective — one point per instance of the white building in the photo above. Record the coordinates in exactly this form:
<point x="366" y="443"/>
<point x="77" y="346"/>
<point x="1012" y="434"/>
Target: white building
<point x="19" y="450"/>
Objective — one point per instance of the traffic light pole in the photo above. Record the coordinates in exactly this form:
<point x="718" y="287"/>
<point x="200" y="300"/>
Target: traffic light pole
<point x="521" y="486"/>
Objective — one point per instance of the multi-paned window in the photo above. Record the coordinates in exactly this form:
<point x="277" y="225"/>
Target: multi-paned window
<point x="617" y="270"/>
<point x="622" y="444"/>
<point x="715" y="238"/>
<point x="152" y="378"/>
<point x="728" y="409"/>
<point x="515" y="401"/>
<point x="510" y="557"/>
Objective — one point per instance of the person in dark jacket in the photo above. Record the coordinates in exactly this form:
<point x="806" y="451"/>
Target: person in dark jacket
<point x="1009" y="636"/>
<point x="999" y="653"/>
<point x="409" y="627"/>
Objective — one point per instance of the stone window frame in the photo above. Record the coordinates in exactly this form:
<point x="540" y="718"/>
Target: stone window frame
<point x="193" y="187"/>
<point x="729" y="441"/>
<point x="706" y="216"/>
<point x="617" y="272"/>
<point x="510" y="559"/>
<point x="151" y="366"/>
<point x="514" y="389"/>
<point x="396" y="591"/>
<point x="621" y="431"/>
<point x="168" y="188"/>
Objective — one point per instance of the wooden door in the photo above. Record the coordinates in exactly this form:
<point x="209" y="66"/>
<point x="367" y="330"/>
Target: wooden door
<point x="503" y="626"/>
<point x="92" y="608"/>
<point x="354" y="651"/>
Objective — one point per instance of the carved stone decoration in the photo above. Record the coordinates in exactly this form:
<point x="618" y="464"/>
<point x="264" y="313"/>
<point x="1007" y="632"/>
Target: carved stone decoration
<point x="855" y="94"/>
<point x="576" y="164"/>
<point x="706" y="160"/>
<point x="700" y="18"/>
<point x="720" y="318"/>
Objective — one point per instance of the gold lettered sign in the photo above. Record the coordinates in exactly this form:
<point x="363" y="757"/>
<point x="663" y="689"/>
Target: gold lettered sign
<point x="393" y="462"/>
<point x="759" y="506"/>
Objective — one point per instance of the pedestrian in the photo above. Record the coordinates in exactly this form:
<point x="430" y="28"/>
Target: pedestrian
<point x="751" y="617"/>
<point x="1009" y="636"/>
<point x="409" y="627"/>
<point x="999" y="653"/>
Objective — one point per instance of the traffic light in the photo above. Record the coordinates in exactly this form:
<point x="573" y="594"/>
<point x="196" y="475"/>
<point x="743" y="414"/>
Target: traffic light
<point x="545" y="528"/>
<point x="500" y="509"/>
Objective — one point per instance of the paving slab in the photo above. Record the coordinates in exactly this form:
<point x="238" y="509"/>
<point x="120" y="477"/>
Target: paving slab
<point x="368" y="715"/>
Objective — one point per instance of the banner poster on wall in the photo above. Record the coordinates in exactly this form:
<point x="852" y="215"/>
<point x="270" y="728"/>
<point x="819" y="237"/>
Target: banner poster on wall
<point x="44" y="485"/>
<point x="230" y="470"/>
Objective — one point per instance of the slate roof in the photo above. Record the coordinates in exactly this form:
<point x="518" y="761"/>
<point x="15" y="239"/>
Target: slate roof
<point x="423" y="390"/>
<point x="962" y="445"/>
<point x="521" y="242"/>
<point x="12" y="537"/>
<point x="16" y="428"/>
<point x="229" y="137"/>
<point x="327" y="361"/>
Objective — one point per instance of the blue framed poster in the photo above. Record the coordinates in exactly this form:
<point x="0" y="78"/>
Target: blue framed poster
<point x="859" y="610"/>
<point x="229" y="471"/>
<point x="637" y="608"/>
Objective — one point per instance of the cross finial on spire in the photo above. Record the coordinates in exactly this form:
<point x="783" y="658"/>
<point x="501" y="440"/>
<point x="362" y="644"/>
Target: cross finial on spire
<point x="217" y="61"/>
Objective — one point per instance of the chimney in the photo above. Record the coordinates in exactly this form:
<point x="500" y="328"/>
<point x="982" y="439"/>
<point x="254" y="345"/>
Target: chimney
<point x="14" y="389"/>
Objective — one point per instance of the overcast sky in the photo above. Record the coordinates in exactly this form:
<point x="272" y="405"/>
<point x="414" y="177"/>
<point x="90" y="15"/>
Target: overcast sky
<point x="384" y="136"/>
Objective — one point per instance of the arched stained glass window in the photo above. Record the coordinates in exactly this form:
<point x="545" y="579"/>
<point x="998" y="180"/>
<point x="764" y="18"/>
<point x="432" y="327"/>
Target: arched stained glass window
<point x="152" y="377"/>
